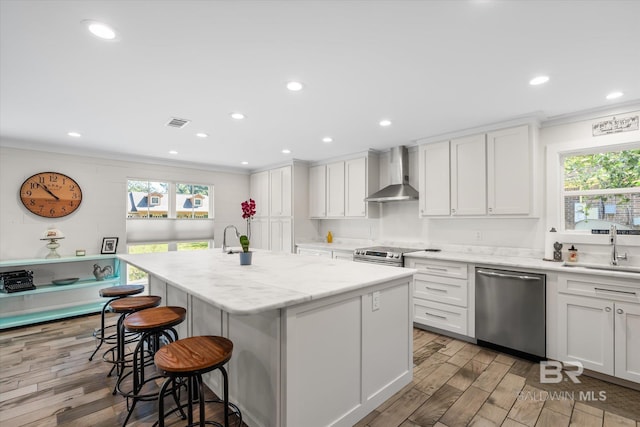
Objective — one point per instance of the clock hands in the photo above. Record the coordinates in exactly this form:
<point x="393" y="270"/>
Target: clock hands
<point x="45" y="188"/>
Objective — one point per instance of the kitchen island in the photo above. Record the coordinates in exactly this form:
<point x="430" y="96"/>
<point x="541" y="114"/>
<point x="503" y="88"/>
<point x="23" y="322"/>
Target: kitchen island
<point x="317" y="342"/>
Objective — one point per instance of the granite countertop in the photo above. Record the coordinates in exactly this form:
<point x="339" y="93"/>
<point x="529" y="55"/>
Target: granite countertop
<point x="502" y="261"/>
<point x="274" y="280"/>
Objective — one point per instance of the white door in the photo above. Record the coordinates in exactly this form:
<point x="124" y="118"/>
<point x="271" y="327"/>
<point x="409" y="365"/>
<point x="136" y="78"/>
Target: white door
<point x="259" y="192"/>
<point x="434" y="181"/>
<point x="509" y="171"/>
<point x="627" y="333"/>
<point x="335" y="189"/>
<point x="317" y="191"/>
<point x="356" y="187"/>
<point x="586" y="332"/>
<point x="468" y="176"/>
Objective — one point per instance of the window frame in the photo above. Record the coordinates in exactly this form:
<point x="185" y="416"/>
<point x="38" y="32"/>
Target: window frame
<point x="171" y="207"/>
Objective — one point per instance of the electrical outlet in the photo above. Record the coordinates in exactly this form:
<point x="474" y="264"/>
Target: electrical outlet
<point x="375" y="301"/>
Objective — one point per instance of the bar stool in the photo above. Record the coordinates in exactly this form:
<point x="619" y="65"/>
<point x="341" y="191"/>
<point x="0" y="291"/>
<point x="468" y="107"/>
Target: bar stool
<point x="153" y="325"/>
<point x="114" y="293"/>
<point x="190" y="358"/>
<point x="126" y="306"/>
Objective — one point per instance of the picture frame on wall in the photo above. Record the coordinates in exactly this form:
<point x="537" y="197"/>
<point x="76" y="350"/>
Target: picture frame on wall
<point x="109" y="245"/>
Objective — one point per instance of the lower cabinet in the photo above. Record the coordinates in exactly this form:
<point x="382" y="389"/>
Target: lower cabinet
<point x="314" y="252"/>
<point x="281" y="235"/>
<point x="601" y="333"/>
<point x="346" y="255"/>
<point x="440" y="294"/>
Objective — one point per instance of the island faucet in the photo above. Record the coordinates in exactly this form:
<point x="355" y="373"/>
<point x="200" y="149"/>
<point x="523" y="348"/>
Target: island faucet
<point x="224" y="236"/>
<point x="613" y="238"/>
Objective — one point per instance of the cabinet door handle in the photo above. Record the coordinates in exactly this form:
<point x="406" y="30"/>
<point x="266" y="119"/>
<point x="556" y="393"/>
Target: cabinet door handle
<point x="619" y="311"/>
<point x="435" y="315"/>
<point x="453" y="211"/>
<point x="435" y="268"/>
<point x="615" y="291"/>
<point x="607" y="309"/>
<point x="436" y="289"/>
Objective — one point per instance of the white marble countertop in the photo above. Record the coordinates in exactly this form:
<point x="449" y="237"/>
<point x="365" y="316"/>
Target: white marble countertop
<point x="502" y="261"/>
<point x="335" y="246"/>
<point x="274" y="280"/>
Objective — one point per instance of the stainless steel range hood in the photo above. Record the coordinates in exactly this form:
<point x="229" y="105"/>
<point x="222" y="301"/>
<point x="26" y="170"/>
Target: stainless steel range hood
<point x="399" y="188"/>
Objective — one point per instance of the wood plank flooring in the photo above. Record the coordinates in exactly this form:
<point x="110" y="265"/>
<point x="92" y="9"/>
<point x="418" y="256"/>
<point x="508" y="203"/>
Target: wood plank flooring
<point x="47" y="380"/>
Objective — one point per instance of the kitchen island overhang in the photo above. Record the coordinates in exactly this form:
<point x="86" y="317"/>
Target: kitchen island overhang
<point x="311" y="346"/>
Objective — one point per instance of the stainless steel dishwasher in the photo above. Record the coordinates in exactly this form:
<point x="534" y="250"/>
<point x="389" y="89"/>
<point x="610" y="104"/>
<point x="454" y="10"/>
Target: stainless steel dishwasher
<point x="510" y="311"/>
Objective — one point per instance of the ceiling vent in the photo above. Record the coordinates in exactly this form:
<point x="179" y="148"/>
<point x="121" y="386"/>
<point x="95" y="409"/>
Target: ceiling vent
<point x="177" y="123"/>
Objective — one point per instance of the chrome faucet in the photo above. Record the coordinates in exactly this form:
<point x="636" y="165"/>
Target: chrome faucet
<point x="224" y="236"/>
<point x="613" y="238"/>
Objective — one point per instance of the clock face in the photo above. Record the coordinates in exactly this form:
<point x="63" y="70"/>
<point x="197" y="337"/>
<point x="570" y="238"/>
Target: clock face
<point x="50" y="194"/>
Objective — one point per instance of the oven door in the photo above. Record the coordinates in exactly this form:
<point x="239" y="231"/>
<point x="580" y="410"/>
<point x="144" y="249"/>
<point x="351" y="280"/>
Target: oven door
<point x="381" y="261"/>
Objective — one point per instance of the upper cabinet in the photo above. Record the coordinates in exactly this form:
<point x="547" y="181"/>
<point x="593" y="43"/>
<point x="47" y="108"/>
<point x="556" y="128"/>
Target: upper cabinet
<point x="259" y="192"/>
<point x="280" y="191"/>
<point x="338" y="189"/>
<point x="477" y="175"/>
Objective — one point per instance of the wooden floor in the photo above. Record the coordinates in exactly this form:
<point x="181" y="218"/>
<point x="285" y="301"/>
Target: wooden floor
<point x="47" y="380"/>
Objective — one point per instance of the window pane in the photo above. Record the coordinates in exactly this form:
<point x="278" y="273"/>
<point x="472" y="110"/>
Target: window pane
<point x="135" y="275"/>
<point x="192" y="246"/>
<point x="147" y="199"/>
<point x="599" y="212"/>
<point x="192" y="201"/>
<point x="617" y="169"/>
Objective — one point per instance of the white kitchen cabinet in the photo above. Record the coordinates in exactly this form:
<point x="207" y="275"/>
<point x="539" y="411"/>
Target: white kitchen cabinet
<point x="345" y="255"/>
<point x="468" y="176"/>
<point x="259" y="233"/>
<point x="314" y="252"/>
<point x="335" y="189"/>
<point x="355" y="186"/>
<point x="259" y="192"/>
<point x="599" y="324"/>
<point x="440" y="294"/>
<point x="318" y="191"/>
<point x="280" y="191"/>
<point x="281" y="238"/>
<point x="434" y="181"/>
<point x="509" y="174"/>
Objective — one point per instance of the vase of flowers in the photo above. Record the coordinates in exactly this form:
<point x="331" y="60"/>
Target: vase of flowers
<point x="248" y="211"/>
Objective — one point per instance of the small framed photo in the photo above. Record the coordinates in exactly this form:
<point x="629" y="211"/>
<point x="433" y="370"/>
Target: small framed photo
<point x="109" y="245"/>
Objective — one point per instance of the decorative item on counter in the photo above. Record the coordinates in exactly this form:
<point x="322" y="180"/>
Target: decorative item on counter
<point x="248" y="211"/>
<point x="573" y="254"/>
<point x="101" y="272"/>
<point x="549" y="238"/>
<point x="53" y="235"/>
<point x="557" y="253"/>
<point x="80" y="252"/>
<point x="109" y="245"/>
<point x="329" y="237"/>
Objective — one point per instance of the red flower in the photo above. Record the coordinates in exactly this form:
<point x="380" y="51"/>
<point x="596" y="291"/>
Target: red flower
<point x="248" y="209"/>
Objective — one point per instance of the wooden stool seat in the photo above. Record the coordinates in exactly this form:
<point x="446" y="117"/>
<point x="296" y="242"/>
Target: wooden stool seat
<point x="121" y="291"/>
<point x="194" y="354"/>
<point x="155" y="318"/>
<point x="130" y="305"/>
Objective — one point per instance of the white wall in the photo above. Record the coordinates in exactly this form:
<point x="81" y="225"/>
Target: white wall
<point x="103" y="209"/>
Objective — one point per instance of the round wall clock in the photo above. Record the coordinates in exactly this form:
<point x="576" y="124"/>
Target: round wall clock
<point x="50" y="194"/>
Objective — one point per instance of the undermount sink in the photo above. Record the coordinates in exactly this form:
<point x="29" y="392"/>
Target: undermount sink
<point x="609" y="267"/>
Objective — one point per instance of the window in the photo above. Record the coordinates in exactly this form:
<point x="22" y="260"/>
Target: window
<point x="192" y="201"/>
<point x="147" y="199"/>
<point x="602" y="189"/>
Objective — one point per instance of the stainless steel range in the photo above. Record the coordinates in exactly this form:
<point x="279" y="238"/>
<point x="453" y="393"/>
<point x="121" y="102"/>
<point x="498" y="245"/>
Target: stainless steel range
<point x="384" y="255"/>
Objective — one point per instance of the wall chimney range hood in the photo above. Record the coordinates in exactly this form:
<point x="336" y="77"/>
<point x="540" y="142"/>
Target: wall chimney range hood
<point x="399" y="188"/>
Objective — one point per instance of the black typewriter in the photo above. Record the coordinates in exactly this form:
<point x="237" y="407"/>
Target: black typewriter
<point x="16" y="281"/>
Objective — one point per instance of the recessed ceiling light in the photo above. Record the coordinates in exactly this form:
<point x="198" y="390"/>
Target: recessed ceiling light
<point x="201" y="135"/>
<point x="385" y="123"/>
<point x="294" y="86"/>
<point x="237" y="116"/>
<point x="614" y="95"/>
<point x="286" y="151"/>
<point x="327" y="139"/>
<point x="100" y="30"/>
<point x="538" y="80"/>
<point x="173" y="152"/>
<point x="74" y="134"/>
<point x="244" y="163"/>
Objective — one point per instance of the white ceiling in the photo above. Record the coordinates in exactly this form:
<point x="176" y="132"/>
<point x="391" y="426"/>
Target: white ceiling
<point x="431" y="67"/>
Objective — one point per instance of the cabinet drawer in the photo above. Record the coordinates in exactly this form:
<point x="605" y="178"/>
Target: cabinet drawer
<point x="442" y="316"/>
<point x="314" y="252"/>
<point x="600" y="287"/>
<point x="440" y="289"/>
<point x="457" y="270"/>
